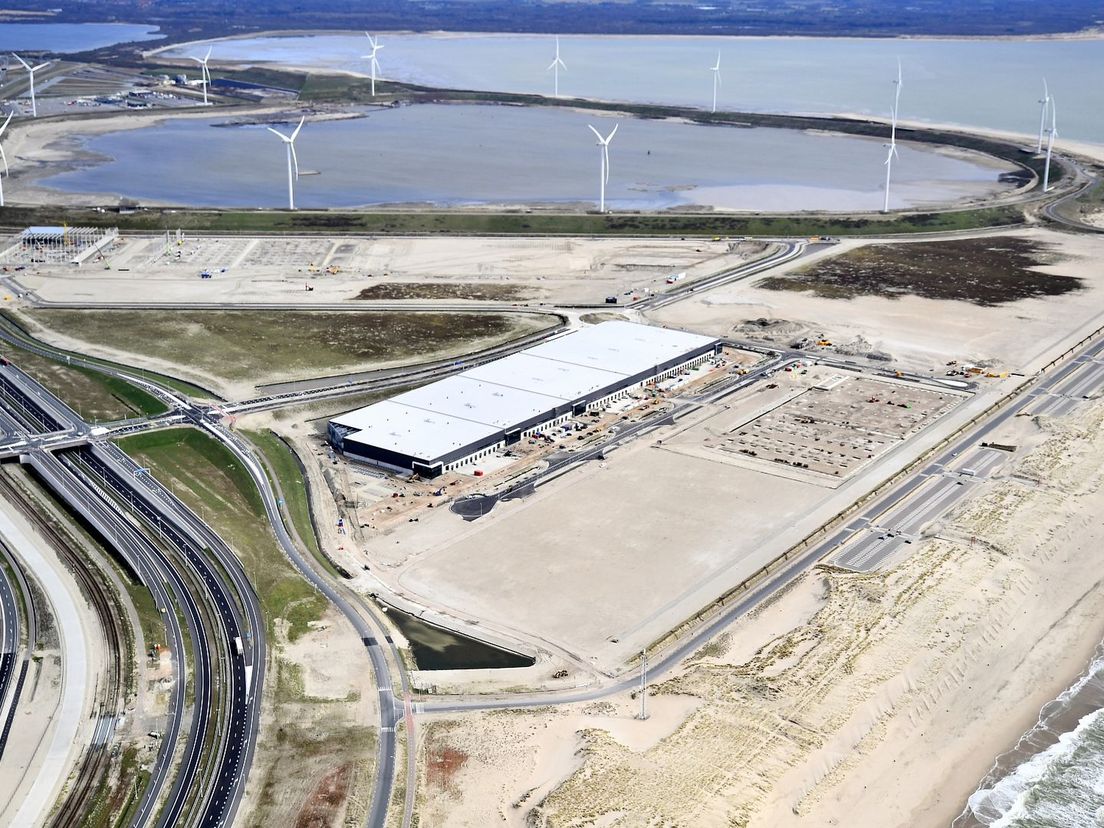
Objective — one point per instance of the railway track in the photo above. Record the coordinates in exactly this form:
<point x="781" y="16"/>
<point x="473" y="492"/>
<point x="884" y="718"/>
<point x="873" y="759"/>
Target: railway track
<point x="95" y="587"/>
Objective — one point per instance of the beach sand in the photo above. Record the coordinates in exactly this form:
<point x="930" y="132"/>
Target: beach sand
<point x="851" y="699"/>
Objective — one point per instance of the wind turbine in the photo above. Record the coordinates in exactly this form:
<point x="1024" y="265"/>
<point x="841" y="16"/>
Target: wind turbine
<point x="293" y="162"/>
<point x="891" y="147"/>
<point x="556" y="65"/>
<point x="716" y="69"/>
<point x="4" y="157"/>
<point x="1044" y="105"/>
<point x="376" y="46"/>
<point x="1052" y="133"/>
<point x="31" y="70"/>
<point x="604" y="177"/>
<point x="205" y="73"/>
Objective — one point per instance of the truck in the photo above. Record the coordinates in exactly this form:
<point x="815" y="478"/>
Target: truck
<point x="238" y="645"/>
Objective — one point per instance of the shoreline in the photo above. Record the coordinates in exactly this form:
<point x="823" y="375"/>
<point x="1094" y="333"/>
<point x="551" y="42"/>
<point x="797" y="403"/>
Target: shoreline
<point x="1082" y="35"/>
<point x="57" y="147"/>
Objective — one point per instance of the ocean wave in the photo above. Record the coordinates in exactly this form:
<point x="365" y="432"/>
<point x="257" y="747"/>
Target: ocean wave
<point x="1055" y="775"/>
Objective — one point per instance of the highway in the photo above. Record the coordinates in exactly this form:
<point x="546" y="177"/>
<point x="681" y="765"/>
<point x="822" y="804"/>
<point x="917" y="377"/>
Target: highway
<point x="391" y="711"/>
<point x="10" y="635"/>
<point x="218" y="802"/>
<point x="189" y="530"/>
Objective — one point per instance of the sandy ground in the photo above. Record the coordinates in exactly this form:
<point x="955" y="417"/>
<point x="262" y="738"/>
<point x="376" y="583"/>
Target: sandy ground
<point x="553" y="270"/>
<point x="675" y="508"/>
<point x="922" y="334"/>
<point x="316" y="744"/>
<point x="852" y="699"/>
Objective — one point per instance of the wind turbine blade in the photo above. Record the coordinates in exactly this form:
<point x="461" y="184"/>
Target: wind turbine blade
<point x="295" y="134"/>
<point x="26" y="65"/>
<point x="208" y="57"/>
<point x="605" y="157"/>
<point x="280" y="134"/>
<point x="197" y="60"/>
<point x="6" y="122"/>
<point x="294" y="159"/>
<point x="597" y="134"/>
<point x="614" y="132"/>
<point x="41" y="66"/>
<point x="4" y="158"/>
<point x="1046" y="90"/>
<point x="552" y="65"/>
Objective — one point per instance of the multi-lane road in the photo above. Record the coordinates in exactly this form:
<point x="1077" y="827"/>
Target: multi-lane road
<point x="918" y="500"/>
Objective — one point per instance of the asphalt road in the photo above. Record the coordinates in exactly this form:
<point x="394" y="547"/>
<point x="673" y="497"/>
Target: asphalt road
<point x="239" y="719"/>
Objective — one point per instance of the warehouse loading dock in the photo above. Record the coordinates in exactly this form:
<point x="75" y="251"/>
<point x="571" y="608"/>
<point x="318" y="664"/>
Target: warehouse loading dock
<point x="455" y="421"/>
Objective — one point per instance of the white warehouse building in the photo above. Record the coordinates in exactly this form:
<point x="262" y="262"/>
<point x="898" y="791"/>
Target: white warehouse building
<point x="454" y="421"/>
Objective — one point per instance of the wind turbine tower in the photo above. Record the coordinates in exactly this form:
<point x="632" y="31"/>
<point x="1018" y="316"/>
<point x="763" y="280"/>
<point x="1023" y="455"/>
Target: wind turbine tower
<point x="891" y="147"/>
<point x="1052" y="133"/>
<point x="205" y="73"/>
<point x="31" y="71"/>
<point x="1044" y="105"/>
<point x="3" y="156"/>
<point x="603" y="178"/>
<point x="643" y="685"/>
<point x="374" y="65"/>
<point x="292" y="161"/>
<point x="716" y="69"/>
<point x="556" y="65"/>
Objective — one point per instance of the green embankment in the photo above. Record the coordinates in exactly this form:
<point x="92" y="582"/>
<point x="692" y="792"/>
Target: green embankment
<point x="209" y="478"/>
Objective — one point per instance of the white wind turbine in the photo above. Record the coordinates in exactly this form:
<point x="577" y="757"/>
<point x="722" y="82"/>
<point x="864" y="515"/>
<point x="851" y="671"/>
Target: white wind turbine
<point x="604" y="176"/>
<point x="293" y="161"/>
<point x="31" y="70"/>
<point x="1044" y="105"/>
<point x="205" y="73"/>
<point x="376" y="46"/>
<point x="892" y="145"/>
<point x="716" y="69"/>
<point x="556" y="65"/>
<point x="1052" y="133"/>
<point x="4" y="157"/>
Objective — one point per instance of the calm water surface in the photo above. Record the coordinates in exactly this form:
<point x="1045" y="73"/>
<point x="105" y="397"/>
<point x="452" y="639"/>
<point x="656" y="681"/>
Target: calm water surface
<point x="484" y="154"/>
<point x="985" y="83"/>
<point x="71" y="37"/>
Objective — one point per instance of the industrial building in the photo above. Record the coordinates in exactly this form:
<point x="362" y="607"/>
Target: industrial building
<point x="58" y="245"/>
<point x="455" y="421"/>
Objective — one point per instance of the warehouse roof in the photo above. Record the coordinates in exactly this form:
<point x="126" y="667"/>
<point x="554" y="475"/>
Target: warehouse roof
<point x="442" y="417"/>
<point x="554" y="379"/>
<point x="622" y="347"/>
<point x="469" y="398"/>
<point x="414" y="432"/>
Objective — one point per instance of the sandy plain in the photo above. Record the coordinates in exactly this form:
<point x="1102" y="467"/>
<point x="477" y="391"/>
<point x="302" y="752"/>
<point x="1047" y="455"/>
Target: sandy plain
<point x="548" y="270"/>
<point x="827" y="705"/>
<point x="920" y="334"/>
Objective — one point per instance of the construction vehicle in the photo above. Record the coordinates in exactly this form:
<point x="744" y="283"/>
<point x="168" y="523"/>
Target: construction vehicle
<point x="824" y="343"/>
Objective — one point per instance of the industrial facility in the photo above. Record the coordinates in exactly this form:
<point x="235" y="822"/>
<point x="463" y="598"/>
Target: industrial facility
<point x="455" y="421"/>
<point x="58" y="245"/>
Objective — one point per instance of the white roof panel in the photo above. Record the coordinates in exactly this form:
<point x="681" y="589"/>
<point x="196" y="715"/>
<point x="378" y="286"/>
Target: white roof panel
<point x="554" y="379"/>
<point x="469" y="398"/>
<point x="622" y="347"/>
<point x="412" y="431"/>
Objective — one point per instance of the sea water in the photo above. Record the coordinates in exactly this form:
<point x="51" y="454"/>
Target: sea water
<point x="988" y="83"/>
<point x="1054" y="777"/>
<point x="70" y="37"/>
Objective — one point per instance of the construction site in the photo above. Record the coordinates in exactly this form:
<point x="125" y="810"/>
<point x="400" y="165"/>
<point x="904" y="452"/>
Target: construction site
<point x="65" y="246"/>
<point x="166" y="266"/>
